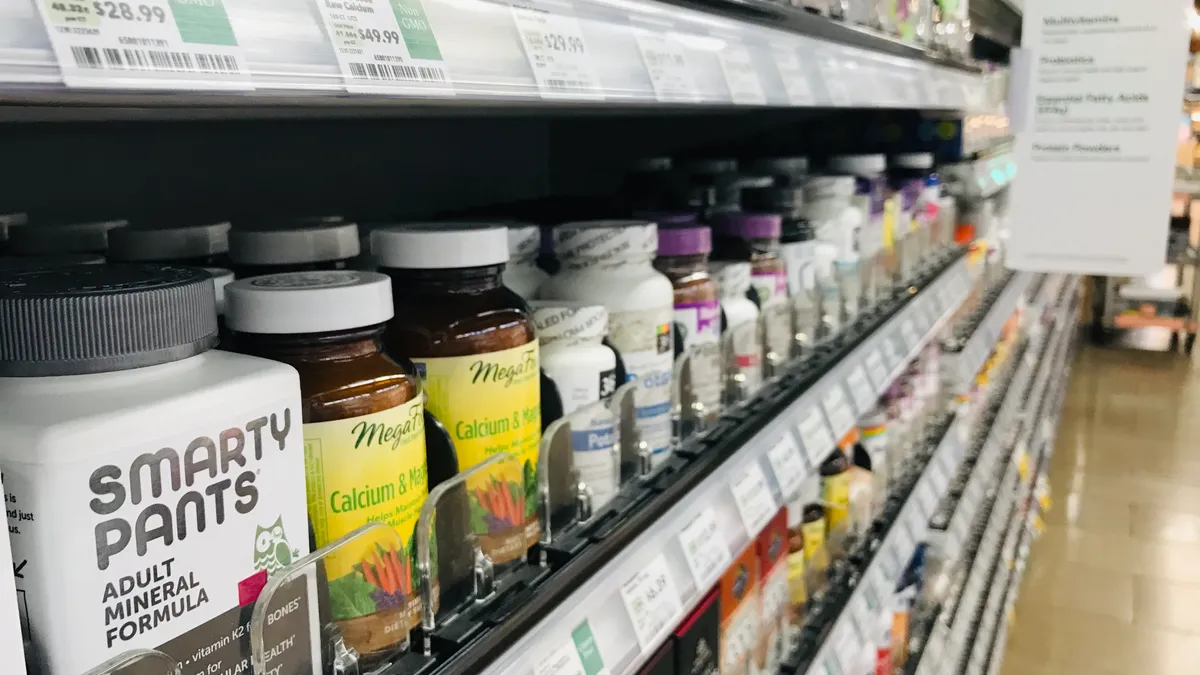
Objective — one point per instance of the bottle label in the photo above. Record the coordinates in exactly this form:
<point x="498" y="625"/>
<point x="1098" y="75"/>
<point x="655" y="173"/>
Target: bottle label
<point x="360" y="470"/>
<point x="747" y="352"/>
<point x="700" y="326"/>
<point x="836" y="495"/>
<point x="594" y="444"/>
<point x="491" y="403"/>
<point x="797" y="583"/>
<point x="643" y="337"/>
<point x="814" y="537"/>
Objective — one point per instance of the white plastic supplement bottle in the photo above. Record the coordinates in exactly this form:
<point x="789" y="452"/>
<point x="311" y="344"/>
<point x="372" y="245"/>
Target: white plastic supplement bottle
<point x="151" y="483"/>
<point x="522" y="274"/>
<point x="608" y="262"/>
<point x="572" y="354"/>
<point x="733" y="283"/>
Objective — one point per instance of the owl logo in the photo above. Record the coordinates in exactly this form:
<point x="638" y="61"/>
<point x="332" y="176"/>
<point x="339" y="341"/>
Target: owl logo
<point x="271" y="549"/>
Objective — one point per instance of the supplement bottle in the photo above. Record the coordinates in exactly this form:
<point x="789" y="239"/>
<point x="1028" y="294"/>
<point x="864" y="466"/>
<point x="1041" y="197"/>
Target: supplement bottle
<point x="203" y="245"/>
<point x="754" y="238"/>
<point x="52" y="239"/>
<point x="835" y="495"/>
<point x="585" y="371"/>
<point x="787" y="171"/>
<point x="871" y="189"/>
<point x="364" y="438"/>
<point x="738" y="311"/>
<point x="913" y="177"/>
<point x="797" y="247"/>
<point x="180" y="467"/>
<point x="609" y="262"/>
<point x="298" y="246"/>
<point x="472" y="341"/>
<point x="716" y="181"/>
<point x="829" y="208"/>
<point x="522" y="274"/>
<point x="683" y="257"/>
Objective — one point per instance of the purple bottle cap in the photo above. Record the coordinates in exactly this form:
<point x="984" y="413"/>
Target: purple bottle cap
<point x="749" y="225"/>
<point x="687" y="240"/>
<point x="667" y="218"/>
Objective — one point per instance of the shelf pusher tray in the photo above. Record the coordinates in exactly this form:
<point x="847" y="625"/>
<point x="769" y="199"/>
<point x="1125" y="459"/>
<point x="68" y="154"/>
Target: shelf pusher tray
<point x="628" y="608"/>
<point x="138" y="662"/>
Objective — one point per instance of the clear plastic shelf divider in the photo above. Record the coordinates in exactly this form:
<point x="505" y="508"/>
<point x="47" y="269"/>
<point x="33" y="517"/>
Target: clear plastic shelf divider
<point x="742" y="361"/>
<point x="637" y="461"/>
<point x="138" y="662"/>
<point x="578" y="469"/>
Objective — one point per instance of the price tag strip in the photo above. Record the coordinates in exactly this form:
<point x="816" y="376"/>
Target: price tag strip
<point x="754" y="500"/>
<point x="557" y="52"/>
<point x="704" y="549"/>
<point x="652" y="601"/>
<point x="740" y="75"/>
<point x="877" y="370"/>
<point x="787" y="463"/>
<point x="145" y="44"/>
<point x="667" y="64"/>
<point x="861" y="390"/>
<point x="386" y="47"/>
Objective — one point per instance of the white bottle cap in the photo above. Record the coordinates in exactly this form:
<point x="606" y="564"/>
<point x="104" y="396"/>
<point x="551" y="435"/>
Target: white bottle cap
<point x="296" y="303"/>
<point x="605" y="239"/>
<point x="440" y="246"/>
<point x="561" y="321"/>
<point x="859" y="165"/>
<point x="221" y="278"/>
<point x="733" y="278"/>
<point x="912" y="160"/>
<point x="294" y="245"/>
<point x="524" y="241"/>
<point x="41" y="239"/>
<point x="167" y="242"/>
<point x="817" y="188"/>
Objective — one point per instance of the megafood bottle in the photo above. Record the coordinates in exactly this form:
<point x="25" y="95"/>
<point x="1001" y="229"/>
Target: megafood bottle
<point x="364" y="437"/>
<point x="472" y="341"/>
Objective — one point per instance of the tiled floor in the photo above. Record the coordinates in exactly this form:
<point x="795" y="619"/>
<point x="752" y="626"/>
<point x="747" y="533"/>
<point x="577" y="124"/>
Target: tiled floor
<point x="1113" y="586"/>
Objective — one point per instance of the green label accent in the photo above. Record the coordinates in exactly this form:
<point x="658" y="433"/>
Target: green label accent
<point x="585" y="644"/>
<point x="414" y="26"/>
<point x="203" y="22"/>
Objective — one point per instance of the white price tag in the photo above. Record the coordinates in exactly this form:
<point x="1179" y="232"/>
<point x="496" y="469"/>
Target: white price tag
<point x="569" y="658"/>
<point x="927" y="498"/>
<point x="740" y="75"/>
<point x="386" y="47"/>
<point x="667" y="64"/>
<point x="861" y="390"/>
<point x="145" y="44"/>
<point x="788" y="466"/>
<point x="652" y="601"/>
<point x="878" y="370"/>
<point x="846" y="643"/>
<point x="837" y="410"/>
<point x="938" y="477"/>
<point x="905" y="543"/>
<point x="829" y="664"/>
<point x="911" y="337"/>
<point x="791" y="71"/>
<point x="835" y="82"/>
<point x="558" y="54"/>
<point x="892" y="353"/>
<point x="704" y="548"/>
<point x="754" y="500"/>
<point x="816" y="437"/>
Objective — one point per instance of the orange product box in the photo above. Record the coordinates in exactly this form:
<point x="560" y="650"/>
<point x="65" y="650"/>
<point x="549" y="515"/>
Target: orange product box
<point x="739" y="612"/>
<point x="774" y="594"/>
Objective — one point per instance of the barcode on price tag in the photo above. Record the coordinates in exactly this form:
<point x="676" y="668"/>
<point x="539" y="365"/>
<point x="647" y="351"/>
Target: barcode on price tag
<point x="837" y="409"/>
<point x="704" y="548"/>
<point x="386" y="47"/>
<point x="557" y="52"/>
<point x="145" y="44"/>
<point x="861" y="390"/>
<point x="788" y="466"/>
<point x="652" y="601"/>
<point x="740" y="75"/>
<point x="791" y="71"/>
<point x="667" y="64"/>
<point x="816" y="437"/>
<point x="877" y="370"/>
<point x="754" y="500"/>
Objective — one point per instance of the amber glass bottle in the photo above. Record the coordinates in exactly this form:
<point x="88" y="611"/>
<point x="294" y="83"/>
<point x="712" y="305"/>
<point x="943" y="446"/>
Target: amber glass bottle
<point x="473" y="344"/>
<point x="364" y="442"/>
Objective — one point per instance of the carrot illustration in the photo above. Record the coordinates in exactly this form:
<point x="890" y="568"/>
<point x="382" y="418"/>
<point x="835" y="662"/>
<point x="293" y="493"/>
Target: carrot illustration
<point x="384" y="575"/>
<point x="405" y="574"/>
<point x="369" y="575"/>
<point x="394" y="565"/>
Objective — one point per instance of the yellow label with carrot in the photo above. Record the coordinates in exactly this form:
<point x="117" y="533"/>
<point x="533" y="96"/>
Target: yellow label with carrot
<point x="363" y="470"/>
<point x="491" y="403"/>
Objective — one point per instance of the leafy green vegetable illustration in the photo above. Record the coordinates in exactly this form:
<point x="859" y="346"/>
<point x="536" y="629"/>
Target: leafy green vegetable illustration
<point x="350" y="596"/>
<point x="531" y="488"/>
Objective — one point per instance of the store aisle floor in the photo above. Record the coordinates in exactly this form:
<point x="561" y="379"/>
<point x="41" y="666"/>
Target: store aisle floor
<point x="1113" y="586"/>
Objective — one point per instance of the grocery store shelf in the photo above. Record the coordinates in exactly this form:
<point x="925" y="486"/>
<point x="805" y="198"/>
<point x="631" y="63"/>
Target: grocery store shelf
<point x="649" y="583"/>
<point x="982" y="177"/>
<point x="278" y="56"/>
<point x="966" y="353"/>
<point x="967" y="630"/>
